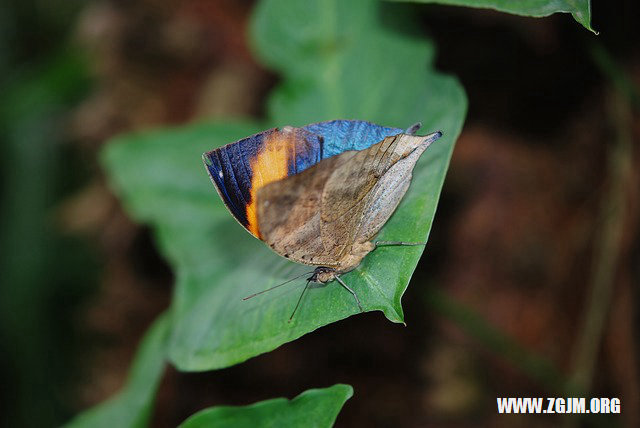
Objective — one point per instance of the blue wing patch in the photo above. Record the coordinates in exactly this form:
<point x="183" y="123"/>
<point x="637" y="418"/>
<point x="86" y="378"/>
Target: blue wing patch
<point x="342" y="135"/>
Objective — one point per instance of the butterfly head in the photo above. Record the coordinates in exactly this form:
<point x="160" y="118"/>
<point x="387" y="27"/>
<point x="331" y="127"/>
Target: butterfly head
<point x="323" y="274"/>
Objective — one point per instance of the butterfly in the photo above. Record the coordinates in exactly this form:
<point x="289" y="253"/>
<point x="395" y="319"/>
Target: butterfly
<point x="320" y="193"/>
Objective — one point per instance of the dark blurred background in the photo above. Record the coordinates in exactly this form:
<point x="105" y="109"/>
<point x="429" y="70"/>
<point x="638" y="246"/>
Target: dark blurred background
<point x="529" y="282"/>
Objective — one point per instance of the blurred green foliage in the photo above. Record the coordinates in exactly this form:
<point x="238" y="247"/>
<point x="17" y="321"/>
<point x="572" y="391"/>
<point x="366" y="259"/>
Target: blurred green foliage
<point x="316" y="408"/>
<point x="132" y="407"/>
<point x="44" y="274"/>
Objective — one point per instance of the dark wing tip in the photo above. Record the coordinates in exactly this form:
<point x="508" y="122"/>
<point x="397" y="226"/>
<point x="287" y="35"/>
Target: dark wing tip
<point x="430" y="138"/>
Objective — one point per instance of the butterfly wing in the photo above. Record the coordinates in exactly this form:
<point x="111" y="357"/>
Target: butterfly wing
<point x="239" y="169"/>
<point x="363" y="193"/>
<point x="328" y="214"/>
<point x="289" y="214"/>
<point x="343" y="135"/>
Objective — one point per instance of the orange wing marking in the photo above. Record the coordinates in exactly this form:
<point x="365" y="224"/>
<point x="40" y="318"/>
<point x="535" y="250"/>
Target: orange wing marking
<point x="271" y="164"/>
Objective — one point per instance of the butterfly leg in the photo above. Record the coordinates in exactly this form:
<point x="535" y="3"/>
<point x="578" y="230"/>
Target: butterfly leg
<point x="353" y="293"/>
<point x="392" y="243"/>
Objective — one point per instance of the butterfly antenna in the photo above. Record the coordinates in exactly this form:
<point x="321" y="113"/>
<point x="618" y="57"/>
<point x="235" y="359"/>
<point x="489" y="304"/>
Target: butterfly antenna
<point x="276" y="286"/>
<point x="299" y="300"/>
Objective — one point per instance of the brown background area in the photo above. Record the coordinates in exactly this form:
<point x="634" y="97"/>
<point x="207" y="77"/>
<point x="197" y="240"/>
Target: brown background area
<point x="540" y="201"/>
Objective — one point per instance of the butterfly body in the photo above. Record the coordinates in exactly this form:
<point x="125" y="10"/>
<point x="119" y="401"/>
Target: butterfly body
<point x="328" y="214"/>
<point x="319" y="194"/>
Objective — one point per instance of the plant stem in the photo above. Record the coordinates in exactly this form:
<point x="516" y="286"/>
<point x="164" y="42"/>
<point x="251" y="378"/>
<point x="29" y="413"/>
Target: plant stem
<point x="473" y="324"/>
<point x="607" y="247"/>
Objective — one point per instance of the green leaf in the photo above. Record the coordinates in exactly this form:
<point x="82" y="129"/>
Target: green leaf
<point x="132" y="406"/>
<point x="339" y="62"/>
<point x="579" y="9"/>
<point x="315" y="408"/>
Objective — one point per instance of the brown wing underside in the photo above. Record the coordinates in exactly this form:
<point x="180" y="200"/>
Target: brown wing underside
<point x="327" y="214"/>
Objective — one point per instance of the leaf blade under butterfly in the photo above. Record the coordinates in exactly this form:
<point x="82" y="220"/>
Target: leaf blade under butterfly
<point x="161" y="180"/>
